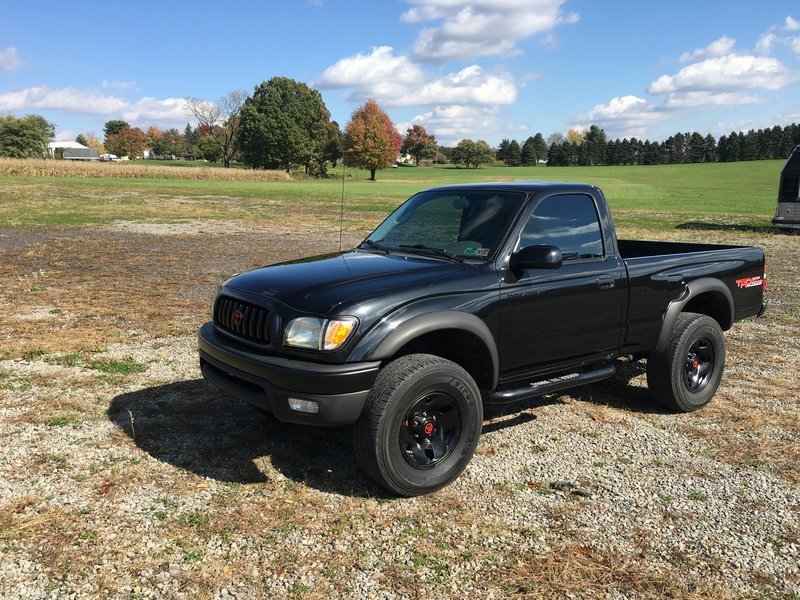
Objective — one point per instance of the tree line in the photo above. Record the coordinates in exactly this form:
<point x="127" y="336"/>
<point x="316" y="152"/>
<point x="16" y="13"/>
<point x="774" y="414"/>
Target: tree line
<point x="284" y="124"/>
<point x="591" y="147"/>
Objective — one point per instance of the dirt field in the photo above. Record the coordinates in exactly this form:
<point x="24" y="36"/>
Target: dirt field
<point x="124" y="474"/>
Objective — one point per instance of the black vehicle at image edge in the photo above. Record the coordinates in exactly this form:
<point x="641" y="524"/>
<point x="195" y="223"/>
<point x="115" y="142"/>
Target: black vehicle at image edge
<point x="473" y="294"/>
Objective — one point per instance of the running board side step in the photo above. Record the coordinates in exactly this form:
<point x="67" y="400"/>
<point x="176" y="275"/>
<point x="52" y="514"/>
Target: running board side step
<point x="549" y="386"/>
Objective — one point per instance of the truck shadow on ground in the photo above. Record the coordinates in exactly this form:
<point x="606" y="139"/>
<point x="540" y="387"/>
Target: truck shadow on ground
<point x="193" y="426"/>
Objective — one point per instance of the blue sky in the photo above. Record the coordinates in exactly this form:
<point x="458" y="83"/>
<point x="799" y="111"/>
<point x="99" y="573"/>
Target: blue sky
<point x="487" y="69"/>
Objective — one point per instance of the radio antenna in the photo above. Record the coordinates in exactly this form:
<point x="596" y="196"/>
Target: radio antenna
<point x="341" y="208"/>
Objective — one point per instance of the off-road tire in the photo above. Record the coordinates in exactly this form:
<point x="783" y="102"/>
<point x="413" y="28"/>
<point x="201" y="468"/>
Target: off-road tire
<point x="403" y="385"/>
<point x="686" y="375"/>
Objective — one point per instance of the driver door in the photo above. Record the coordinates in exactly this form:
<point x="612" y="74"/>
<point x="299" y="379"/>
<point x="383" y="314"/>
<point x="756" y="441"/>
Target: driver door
<point x="550" y="316"/>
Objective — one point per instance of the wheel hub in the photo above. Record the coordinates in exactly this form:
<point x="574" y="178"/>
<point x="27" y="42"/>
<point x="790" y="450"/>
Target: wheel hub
<point x="424" y="425"/>
<point x="430" y="430"/>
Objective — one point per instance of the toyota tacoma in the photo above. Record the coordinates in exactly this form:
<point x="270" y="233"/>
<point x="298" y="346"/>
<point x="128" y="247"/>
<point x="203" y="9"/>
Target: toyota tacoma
<point x="473" y="294"/>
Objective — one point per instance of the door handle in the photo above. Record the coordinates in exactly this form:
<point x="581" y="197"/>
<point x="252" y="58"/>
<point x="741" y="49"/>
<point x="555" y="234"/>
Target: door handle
<point x="605" y="283"/>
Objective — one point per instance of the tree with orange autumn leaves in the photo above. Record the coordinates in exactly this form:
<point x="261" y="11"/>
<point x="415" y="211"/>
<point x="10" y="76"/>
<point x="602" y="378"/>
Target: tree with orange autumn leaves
<point x="371" y="140"/>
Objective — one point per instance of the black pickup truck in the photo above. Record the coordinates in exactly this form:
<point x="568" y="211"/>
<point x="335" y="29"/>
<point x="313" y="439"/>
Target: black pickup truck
<point x="473" y="294"/>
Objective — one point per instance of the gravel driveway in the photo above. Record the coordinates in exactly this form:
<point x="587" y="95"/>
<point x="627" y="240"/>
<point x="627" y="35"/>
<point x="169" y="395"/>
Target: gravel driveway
<point x="123" y="474"/>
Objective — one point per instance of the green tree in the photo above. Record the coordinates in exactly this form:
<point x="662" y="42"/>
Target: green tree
<point x="25" y="137"/>
<point x="190" y="138"/>
<point x="207" y="148"/>
<point x="371" y="140"/>
<point x="502" y="150"/>
<point x="528" y="153"/>
<point x="81" y="140"/>
<point x="334" y="147"/>
<point x="514" y="154"/>
<point x="222" y="120"/>
<point x="696" y="148"/>
<point x="540" y="147"/>
<point x="419" y="143"/>
<point x="284" y="123"/>
<point x="114" y="126"/>
<point x="472" y="154"/>
<point x="710" y="149"/>
<point x="593" y="148"/>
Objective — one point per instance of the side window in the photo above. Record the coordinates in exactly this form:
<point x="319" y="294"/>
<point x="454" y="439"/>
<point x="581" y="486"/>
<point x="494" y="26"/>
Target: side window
<point x="567" y="221"/>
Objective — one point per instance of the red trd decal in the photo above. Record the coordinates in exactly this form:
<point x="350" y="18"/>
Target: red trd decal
<point x="749" y="282"/>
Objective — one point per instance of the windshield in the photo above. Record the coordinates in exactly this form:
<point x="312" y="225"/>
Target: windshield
<point x="461" y="224"/>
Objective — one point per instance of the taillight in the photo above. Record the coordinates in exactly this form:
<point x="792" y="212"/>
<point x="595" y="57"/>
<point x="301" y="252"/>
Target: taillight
<point x="764" y="281"/>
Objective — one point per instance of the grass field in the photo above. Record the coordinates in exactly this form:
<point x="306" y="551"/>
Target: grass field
<point x="660" y="196"/>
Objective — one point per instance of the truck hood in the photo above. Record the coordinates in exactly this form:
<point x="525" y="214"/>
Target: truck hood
<point x="320" y="283"/>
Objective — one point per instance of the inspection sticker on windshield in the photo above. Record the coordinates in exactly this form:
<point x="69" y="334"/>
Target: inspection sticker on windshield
<point x="476" y="252"/>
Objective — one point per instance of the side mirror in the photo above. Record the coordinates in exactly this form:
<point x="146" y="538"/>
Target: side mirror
<point x="536" y="257"/>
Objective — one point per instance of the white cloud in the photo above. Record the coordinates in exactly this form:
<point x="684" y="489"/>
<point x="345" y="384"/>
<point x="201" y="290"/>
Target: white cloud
<point x="378" y="68"/>
<point x="395" y="80"/>
<point x="766" y="41"/>
<point x="734" y="72"/>
<point x="9" y="60"/>
<point x="719" y="47"/>
<point x="481" y="27"/>
<point x="777" y="35"/>
<point x="701" y="99"/>
<point x="65" y="135"/>
<point x="450" y="124"/>
<point x="625" y="116"/>
<point x="169" y="111"/>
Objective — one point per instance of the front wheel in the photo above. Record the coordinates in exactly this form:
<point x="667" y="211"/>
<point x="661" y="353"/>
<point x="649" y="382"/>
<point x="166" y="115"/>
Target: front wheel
<point x="687" y="374"/>
<point x="420" y="425"/>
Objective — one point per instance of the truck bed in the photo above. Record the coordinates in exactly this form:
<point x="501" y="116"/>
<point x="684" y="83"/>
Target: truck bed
<point x="643" y="248"/>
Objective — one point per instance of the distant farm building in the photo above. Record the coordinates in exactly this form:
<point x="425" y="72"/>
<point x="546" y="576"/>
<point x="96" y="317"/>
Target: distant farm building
<point x="72" y="151"/>
<point x="56" y="148"/>
<point x="81" y="154"/>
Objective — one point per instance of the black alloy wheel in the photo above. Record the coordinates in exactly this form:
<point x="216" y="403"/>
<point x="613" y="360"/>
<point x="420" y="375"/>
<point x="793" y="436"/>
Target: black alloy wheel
<point x="430" y="430"/>
<point x="699" y="364"/>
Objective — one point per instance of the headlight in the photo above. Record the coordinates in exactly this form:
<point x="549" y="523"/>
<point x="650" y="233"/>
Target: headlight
<point x="318" y="334"/>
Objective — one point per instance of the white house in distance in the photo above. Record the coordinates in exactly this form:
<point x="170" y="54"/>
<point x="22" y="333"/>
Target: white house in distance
<point x="72" y="151"/>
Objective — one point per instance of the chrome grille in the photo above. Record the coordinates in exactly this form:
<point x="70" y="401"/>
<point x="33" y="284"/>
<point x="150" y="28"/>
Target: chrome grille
<point x="242" y="319"/>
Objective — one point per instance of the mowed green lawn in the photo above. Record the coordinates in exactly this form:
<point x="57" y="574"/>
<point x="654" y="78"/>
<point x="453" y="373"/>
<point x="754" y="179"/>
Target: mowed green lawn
<point x="659" y="196"/>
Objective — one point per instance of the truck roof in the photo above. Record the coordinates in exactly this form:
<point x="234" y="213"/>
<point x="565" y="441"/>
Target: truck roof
<point x="518" y="186"/>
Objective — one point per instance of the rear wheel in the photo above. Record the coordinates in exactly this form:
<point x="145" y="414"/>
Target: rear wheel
<point x="687" y="374"/>
<point x="420" y="425"/>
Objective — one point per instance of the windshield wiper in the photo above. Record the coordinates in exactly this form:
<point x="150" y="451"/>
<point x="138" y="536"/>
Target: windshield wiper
<point x="437" y="251"/>
<point x="375" y="246"/>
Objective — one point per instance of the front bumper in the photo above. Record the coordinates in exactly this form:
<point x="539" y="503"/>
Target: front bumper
<point x="268" y="382"/>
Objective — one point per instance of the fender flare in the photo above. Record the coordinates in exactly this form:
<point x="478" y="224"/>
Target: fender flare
<point x="414" y="327"/>
<point x="693" y="290"/>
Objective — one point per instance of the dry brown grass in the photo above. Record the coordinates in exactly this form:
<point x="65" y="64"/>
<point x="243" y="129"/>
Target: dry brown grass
<point x="577" y="571"/>
<point x="63" y="168"/>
